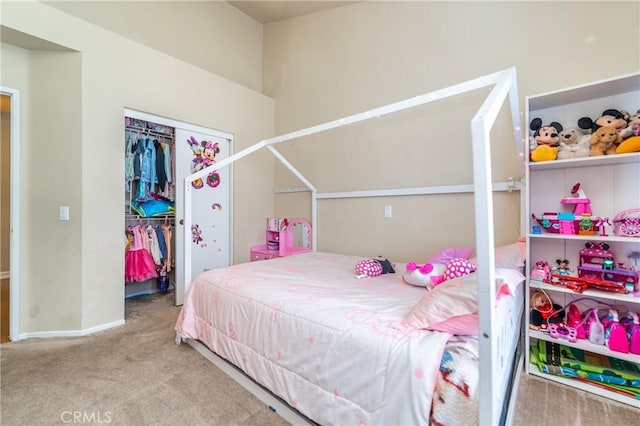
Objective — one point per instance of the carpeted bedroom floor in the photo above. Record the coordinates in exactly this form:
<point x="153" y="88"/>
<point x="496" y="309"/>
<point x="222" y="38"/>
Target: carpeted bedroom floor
<point x="136" y="375"/>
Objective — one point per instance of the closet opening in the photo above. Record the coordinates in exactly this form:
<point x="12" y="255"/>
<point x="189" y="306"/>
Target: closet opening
<point x="159" y="153"/>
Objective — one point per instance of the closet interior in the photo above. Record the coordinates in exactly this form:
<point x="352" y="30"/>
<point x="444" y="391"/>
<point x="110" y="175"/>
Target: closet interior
<point x="150" y="194"/>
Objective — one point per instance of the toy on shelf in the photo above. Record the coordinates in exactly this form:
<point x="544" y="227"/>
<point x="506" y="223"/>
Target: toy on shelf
<point x="579" y="285"/>
<point x="615" y="335"/>
<point x="543" y="311"/>
<point x="602" y="223"/>
<point x="627" y="223"/>
<point x="545" y="140"/>
<point x="562" y="268"/>
<point x="581" y="203"/>
<point x="541" y="271"/>
<point x="597" y="262"/>
<point x="579" y="221"/>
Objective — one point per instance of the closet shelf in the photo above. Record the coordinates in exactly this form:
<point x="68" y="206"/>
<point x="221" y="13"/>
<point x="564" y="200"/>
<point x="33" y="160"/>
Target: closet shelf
<point x="150" y="132"/>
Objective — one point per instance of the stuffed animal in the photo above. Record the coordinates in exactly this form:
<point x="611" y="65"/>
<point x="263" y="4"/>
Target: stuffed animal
<point x="428" y="275"/>
<point x="547" y="139"/>
<point x="574" y="143"/>
<point x="374" y="267"/>
<point x="544" y="153"/>
<point x="543" y="311"/>
<point x="610" y="117"/>
<point x="633" y="126"/>
<point x="604" y="141"/>
<point x="630" y="136"/>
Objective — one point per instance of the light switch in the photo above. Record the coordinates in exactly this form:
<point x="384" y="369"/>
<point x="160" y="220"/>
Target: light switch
<point x="64" y="212"/>
<point x="387" y="211"/>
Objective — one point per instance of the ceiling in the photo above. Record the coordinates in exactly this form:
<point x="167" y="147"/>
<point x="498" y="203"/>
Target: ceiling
<point x="272" y="11"/>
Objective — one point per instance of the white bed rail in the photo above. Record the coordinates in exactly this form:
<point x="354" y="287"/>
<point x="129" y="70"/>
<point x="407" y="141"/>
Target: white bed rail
<point x="503" y="86"/>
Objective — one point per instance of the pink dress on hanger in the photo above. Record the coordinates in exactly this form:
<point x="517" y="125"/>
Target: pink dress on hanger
<point x="139" y="264"/>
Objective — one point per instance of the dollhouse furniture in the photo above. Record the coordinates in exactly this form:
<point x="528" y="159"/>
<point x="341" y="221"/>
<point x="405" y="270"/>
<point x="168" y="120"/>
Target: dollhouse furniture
<point x="612" y="182"/>
<point x="598" y="262"/>
<point x="283" y="240"/>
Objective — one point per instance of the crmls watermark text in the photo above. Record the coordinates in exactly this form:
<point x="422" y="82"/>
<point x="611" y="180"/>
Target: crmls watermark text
<point x="86" y="417"/>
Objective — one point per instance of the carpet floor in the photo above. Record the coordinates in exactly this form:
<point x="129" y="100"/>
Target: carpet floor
<point x="136" y="375"/>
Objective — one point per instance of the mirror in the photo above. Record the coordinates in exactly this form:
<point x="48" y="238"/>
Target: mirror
<point x="301" y="230"/>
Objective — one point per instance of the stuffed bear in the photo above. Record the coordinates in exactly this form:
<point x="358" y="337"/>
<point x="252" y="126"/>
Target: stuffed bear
<point x="547" y="139"/>
<point x="610" y="117"/>
<point x="604" y="141"/>
<point x="574" y="143"/>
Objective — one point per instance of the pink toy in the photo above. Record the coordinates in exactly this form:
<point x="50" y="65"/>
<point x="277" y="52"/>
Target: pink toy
<point x="368" y="268"/>
<point x="541" y="271"/>
<point x="627" y="223"/>
<point x="615" y="336"/>
<point x="582" y="204"/>
<point x="602" y="223"/>
<point x="428" y="275"/>
<point x="594" y="261"/>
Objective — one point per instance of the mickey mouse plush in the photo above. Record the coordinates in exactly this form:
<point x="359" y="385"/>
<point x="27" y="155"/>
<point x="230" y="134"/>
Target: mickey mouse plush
<point x="611" y="117"/>
<point x="547" y="139"/>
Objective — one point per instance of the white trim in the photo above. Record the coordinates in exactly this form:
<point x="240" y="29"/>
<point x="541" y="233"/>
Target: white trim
<point x="71" y="333"/>
<point x="14" y="244"/>
<point x="509" y="186"/>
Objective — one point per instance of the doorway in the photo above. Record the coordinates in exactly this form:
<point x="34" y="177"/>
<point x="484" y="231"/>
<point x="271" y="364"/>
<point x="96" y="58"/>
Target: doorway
<point x="9" y="217"/>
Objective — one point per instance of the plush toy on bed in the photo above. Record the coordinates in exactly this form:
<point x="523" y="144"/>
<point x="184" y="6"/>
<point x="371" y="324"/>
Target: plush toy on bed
<point x="428" y="275"/>
<point x="374" y="267"/>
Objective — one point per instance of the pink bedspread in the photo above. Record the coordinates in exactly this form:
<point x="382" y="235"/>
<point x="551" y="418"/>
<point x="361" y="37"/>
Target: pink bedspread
<point x="307" y="330"/>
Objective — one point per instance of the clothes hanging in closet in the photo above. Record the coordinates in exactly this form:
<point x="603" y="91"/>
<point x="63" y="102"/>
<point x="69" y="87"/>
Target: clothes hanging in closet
<point x="148" y="252"/>
<point x="148" y="164"/>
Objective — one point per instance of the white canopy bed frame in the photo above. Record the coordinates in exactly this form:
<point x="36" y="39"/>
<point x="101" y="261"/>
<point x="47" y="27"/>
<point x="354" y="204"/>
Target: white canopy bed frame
<point x="498" y="377"/>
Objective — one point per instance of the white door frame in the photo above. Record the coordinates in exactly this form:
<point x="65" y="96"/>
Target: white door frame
<point x="14" y="214"/>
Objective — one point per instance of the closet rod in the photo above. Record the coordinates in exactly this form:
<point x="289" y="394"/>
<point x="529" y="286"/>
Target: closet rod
<point x="149" y="131"/>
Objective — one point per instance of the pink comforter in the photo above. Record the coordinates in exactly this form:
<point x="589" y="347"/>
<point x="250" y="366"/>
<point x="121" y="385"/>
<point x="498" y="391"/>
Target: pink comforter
<point x="305" y="328"/>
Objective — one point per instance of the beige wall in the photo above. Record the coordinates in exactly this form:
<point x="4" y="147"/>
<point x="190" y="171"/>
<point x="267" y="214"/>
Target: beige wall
<point x="347" y="60"/>
<point x="71" y="273"/>
<point x="208" y="34"/>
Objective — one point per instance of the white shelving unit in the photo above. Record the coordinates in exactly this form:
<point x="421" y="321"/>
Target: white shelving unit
<point x="612" y="183"/>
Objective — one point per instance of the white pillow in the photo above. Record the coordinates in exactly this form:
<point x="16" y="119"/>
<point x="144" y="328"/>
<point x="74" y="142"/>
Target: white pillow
<point x="510" y="256"/>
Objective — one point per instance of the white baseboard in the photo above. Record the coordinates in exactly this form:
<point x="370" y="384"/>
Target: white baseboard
<point x="69" y="333"/>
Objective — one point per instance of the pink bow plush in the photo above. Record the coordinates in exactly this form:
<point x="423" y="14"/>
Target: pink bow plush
<point x="424" y="269"/>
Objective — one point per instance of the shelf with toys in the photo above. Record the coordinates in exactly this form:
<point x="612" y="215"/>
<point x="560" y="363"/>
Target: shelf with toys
<point x="583" y="245"/>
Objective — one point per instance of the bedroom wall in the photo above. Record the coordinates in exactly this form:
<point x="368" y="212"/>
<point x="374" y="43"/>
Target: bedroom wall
<point x="346" y="60"/>
<point x="221" y="39"/>
<point x="71" y="273"/>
